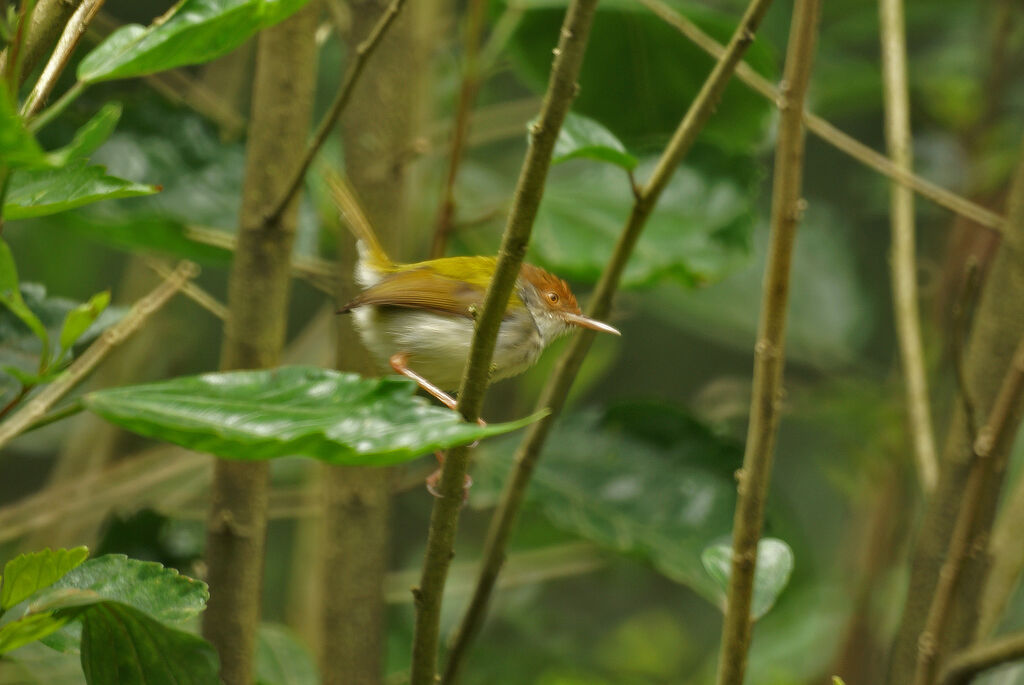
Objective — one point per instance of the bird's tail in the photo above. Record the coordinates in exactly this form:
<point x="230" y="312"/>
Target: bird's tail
<point x="370" y="249"/>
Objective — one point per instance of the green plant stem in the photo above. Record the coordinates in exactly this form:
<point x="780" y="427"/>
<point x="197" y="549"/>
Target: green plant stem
<point x="964" y="666"/>
<point x="50" y="113"/>
<point x="556" y="390"/>
<point x="562" y="88"/>
<point x="356" y="65"/>
<point x="769" y="352"/>
<point x="37" y="407"/>
<point x="989" y="454"/>
<point x="55" y="416"/>
<point x="829" y="133"/>
<point x="904" y="255"/>
<point x="14" y="62"/>
<point x="254" y="332"/>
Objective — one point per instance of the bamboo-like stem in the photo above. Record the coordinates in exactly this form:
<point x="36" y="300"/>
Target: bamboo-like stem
<point x="467" y="96"/>
<point x="989" y="457"/>
<point x="562" y="88"/>
<point x="904" y="254"/>
<point x="192" y="291"/>
<point x="66" y="45"/>
<point x="769" y="352"/>
<point x="356" y="65"/>
<point x="964" y="666"/>
<point x="556" y="390"/>
<point x="140" y="312"/>
<point x="829" y="133"/>
<point x="254" y="332"/>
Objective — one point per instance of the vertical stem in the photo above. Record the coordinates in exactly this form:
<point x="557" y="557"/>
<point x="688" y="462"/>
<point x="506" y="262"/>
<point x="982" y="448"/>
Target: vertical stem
<point x="444" y="518"/>
<point x="904" y="263"/>
<point x="769" y="352"/>
<point x="254" y="332"/>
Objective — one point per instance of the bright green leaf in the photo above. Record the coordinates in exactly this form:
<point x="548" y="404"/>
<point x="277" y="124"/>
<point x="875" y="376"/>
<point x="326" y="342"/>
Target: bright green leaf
<point x="10" y="297"/>
<point x="195" y="31"/>
<point x="123" y="645"/>
<point x="836" y="680"/>
<point x="90" y="136"/>
<point x="48" y="191"/>
<point x="27" y="574"/>
<point x="339" y="418"/>
<point x="282" y="659"/>
<point x="30" y="628"/>
<point x="774" y="566"/>
<point x="81" y="318"/>
<point x="581" y="136"/>
<point x="18" y="148"/>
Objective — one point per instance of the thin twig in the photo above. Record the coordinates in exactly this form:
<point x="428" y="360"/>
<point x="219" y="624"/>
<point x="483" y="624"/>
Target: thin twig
<point x="562" y="88"/>
<point x="556" y="390"/>
<point x="73" y="31"/>
<point x="769" y="352"/>
<point x="964" y="666"/>
<point x="37" y="407"/>
<point x="467" y="96"/>
<point x="829" y="133"/>
<point x="993" y="439"/>
<point x="958" y="339"/>
<point x="191" y="291"/>
<point x="355" y="68"/>
<point x="904" y="254"/>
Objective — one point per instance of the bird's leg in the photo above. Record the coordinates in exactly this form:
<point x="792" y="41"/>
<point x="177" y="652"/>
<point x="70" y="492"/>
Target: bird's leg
<point x="434" y="479"/>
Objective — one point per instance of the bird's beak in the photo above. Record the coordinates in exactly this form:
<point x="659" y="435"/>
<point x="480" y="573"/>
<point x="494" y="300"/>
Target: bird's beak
<point x="587" y="322"/>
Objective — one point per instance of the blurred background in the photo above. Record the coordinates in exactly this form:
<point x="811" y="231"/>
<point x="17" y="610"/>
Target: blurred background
<point x="607" y="580"/>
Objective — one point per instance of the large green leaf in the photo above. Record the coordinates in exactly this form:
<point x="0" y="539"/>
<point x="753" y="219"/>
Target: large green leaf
<point x="27" y="574"/>
<point x="664" y="501"/>
<point x="123" y="645"/>
<point x="195" y="31"/>
<point x="48" y="191"/>
<point x="699" y="231"/>
<point x="282" y="659"/>
<point x="774" y="566"/>
<point x="18" y="148"/>
<point x="640" y="75"/>
<point x="339" y="418"/>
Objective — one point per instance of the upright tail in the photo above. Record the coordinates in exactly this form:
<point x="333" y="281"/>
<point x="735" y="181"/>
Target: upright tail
<point x="370" y="249"/>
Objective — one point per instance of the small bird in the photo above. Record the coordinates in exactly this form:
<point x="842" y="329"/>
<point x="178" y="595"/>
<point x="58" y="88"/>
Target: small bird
<point x="419" y="318"/>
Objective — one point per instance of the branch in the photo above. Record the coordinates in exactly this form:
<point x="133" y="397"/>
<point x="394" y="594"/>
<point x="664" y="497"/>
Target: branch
<point x="73" y="31"/>
<point x="557" y="388"/>
<point x="47" y="22"/>
<point x="769" y="352"/>
<point x="829" y="133"/>
<point x="96" y="352"/>
<point x="562" y="88"/>
<point x="965" y="665"/>
<point x="904" y="255"/>
<point x="355" y="68"/>
<point x="988" y="457"/>
<point x="191" y="291"/>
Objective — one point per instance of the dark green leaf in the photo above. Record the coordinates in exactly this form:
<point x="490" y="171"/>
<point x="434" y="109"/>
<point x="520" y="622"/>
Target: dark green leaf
<point x="48" y="191"/>
<point x="339" y="418"/>
<point x="195" y="31"/>
<point x="282" y="659"/>
<point x="18" y="148"/>
<point x="90" y="136"/>
<point x="774" y="566"/>
<point x="640" y="75"/>
<point x="11" y="298"/>
<point x="123" y="645"/>
<point x="699" y="231"/>
<point x="29" y="573"/>
<point x="81" y="318"/>
<point x="604" y="484"/>
<point x="581" y="136"/>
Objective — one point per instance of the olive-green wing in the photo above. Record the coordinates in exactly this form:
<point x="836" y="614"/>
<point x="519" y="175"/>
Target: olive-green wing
<point x="422" y="289"/>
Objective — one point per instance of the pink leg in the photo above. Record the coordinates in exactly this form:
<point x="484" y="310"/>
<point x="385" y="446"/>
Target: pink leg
<point x="399" y="362"/>
<point x="434" y="479"/>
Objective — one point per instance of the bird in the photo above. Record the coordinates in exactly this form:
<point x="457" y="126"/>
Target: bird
<point x="419" y="318"/>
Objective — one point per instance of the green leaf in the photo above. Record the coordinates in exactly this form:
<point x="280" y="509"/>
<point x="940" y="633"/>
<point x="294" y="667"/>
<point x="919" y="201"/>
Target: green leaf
<point x="30" y="628"/>
<point x="194" y="31"/>
<point x="81" y="318"/>
<point x="18" y="148"/>
<point x="282" y="659"/>
<point x="774" y="566"/>
<point x="640" y="75"/>
<point x="654" y="500"/>
<point x="581" y="136"/>
<point x="90" y="136"/>
<point x="27" y="574"/>
<point x="339" y="418"/>
<point x="10" y="297"/>
<point x="698" y="233"/>
<point x="123" y="645"/>
<point x="49" y="191"/>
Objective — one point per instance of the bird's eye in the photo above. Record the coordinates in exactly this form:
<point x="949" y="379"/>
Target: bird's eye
<point x="552" y="297"/>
